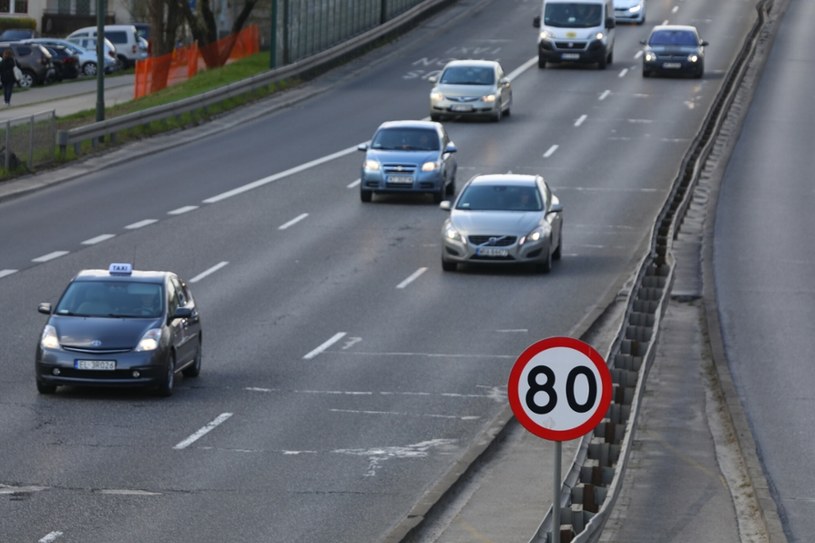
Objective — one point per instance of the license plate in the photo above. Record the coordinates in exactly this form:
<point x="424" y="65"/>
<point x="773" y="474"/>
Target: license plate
<point x="459" y="107"/>
<point x="570" y="56"/>
<point x="492" y="251"/>
<point x="107" y="365"/>
<point x="400" y="179"/>
<point x="671" y="65"/>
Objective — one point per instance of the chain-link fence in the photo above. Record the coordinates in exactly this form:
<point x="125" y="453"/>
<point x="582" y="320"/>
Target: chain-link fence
<point x="27" y="142"/>
<point x="304" y="27"/>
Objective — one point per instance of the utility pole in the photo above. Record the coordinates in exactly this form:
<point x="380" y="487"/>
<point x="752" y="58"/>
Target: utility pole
<point x="101" y="10"/>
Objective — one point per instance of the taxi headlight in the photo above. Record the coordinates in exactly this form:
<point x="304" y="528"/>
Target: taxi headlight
<point x="149" y="341"/>
<point x="430" y="166"/>
<point x="650" y="57"/>
<point x="49" y="339"/>
<point x="693" y="57"/>
<point x="452" y="234"/>
<point x="371" y="165"/>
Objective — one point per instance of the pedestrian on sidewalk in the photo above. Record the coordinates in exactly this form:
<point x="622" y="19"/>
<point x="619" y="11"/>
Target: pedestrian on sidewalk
<point x="7" y="76"/>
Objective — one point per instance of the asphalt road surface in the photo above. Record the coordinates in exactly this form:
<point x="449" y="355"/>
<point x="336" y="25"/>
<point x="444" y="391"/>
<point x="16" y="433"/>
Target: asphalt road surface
<point x="344" y="372"/>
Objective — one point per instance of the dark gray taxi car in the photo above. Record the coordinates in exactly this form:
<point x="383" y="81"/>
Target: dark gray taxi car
<point x="120" y="327"/>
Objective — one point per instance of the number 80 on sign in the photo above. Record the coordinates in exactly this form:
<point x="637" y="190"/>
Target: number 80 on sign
<point x="559" y="388"/>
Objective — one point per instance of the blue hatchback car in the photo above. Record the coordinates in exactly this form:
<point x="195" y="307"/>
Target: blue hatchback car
<point x="409" y="156"/>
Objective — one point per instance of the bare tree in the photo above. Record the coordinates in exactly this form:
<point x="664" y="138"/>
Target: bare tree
<point x="204" y="29"/>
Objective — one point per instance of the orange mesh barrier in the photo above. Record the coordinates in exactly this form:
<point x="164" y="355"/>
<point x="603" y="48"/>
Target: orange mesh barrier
<point x="156" y="73"/>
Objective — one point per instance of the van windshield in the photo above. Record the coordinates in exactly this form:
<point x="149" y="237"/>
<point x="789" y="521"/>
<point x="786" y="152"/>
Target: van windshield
<point x="572" y="15"/>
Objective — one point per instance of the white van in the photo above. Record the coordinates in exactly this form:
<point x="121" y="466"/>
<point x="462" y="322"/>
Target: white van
<point x="576" y="31"/>
<point x="124" y="37"/>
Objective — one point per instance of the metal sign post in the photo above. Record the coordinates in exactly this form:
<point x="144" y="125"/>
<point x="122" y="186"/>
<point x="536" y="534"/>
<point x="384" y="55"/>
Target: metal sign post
<point x="559" y="389"/>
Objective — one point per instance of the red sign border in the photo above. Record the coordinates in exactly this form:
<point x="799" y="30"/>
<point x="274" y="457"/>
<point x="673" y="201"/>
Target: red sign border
<point x="515" y="378"/>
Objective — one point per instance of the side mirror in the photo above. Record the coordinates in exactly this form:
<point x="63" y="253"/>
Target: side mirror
<point x="446" y="205"/>
<point x="704" y="43"/>
<point x="610" y="22"/>
<point x="182" y="313"/>
<point x="362" y="147"/>
<point x="44" y="308"/>
<point x="433" y="79"/>
<point x="451" y="148"/>
<point x="536" y="22"/>
<point x="556" y="207"/>
<point x="643" y="42"/>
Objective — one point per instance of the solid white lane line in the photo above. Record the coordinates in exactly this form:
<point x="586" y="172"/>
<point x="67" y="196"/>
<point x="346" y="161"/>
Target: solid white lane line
<point x="399" y="414"/>
<point x="353" y="184"/>
<point x="411" y="278"/>
<point x="98" y="239"/>
<point x="53" y="536"/>
<point x="293" y="221"/>
<point x="49" y="256"/>
<point x="203" y="431"/>
<point x="140" y="224"/>
<point x="335" y="338"/>
<point x="182" y="210"/>
<point x="210" y="271"/>
<point x="272" y="178"/>
<point x="623" y="72"/>
<point x="580" y="120"/>
<point x="6" y="273"/>
<point x="551" y="151"/>
<point x="522" y="68"/>
<point x="605" y="94"/>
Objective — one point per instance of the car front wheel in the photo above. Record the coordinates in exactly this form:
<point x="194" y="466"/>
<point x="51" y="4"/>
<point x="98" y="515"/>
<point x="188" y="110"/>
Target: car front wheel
<point x="45" y="388"/>
<point x="366" y="195"/>
<point x="89" y="68"/>
<point x="167" y="385"/>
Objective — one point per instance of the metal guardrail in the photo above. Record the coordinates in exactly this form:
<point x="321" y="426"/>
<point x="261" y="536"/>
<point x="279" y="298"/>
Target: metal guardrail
<point x="591" y="487"/>
<point x="108" y="129"/>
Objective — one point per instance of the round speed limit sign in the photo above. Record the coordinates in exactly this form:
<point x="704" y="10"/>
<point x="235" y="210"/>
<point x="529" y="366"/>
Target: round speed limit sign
<point x="559" y="388"/>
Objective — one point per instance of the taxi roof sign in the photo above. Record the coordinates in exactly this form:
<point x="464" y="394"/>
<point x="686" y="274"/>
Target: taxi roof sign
<point x="120" y="268"/>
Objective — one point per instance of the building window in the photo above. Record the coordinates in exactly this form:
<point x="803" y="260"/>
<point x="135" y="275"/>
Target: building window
<point x="83" y="7"/>
<point x="64" y="6"/>
<point x="20" y="6"/>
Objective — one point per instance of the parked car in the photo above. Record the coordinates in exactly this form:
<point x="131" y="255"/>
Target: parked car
<point x="119" y="328"/>
<point x="17" y="34"/>
<point x="66" y="64"/>
<point x="471" y="88"/>
<point x="35" y="62"/>
<point x="87" y="57"/>
<point x="674" y="49"/>
<point x="409" y="156"/>
<point x="111" y="59"/>
<point x="503" y="219"/>
<point x="125" y="39"/>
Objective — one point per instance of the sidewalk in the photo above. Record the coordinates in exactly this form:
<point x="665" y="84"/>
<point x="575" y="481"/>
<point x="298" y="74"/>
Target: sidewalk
<point x="68" y="97"/>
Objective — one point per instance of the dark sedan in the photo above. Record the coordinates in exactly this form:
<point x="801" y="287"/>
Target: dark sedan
<point x="674" y="49"/>
<point x="66" y="63"/>
<point x="120" y="327"/>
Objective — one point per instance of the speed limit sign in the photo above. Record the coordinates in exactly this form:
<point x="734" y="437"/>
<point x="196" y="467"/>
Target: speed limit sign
<point x="559" y="388"/>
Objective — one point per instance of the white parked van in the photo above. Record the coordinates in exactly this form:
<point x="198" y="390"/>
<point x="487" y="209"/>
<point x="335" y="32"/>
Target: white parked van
<point x="124" y="37"/>
<point x="576" y="31"/>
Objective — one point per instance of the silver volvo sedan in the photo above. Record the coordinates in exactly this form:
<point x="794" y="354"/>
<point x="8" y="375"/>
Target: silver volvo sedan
<point x="503" y="219"/>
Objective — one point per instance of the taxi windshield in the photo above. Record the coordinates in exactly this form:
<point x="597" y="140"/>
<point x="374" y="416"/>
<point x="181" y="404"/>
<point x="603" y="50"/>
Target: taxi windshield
<point x="114" y="299"/>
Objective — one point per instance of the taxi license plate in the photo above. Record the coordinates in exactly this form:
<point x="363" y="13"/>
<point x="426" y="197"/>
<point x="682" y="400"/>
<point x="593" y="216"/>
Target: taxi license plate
<point x="491" y="251"/>
<point x="400" y="179"/>
<point x="459" y="107"/>
<point x="671" y="65"/>
<point x="570" y="56"/>
<point x="106" y="365"/>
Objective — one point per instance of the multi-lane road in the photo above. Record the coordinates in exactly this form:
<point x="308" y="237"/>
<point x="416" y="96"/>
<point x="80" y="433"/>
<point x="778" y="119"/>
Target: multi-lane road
<point x="344" y="372"/>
